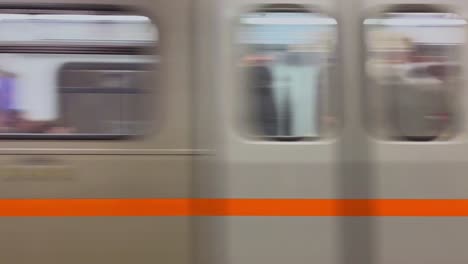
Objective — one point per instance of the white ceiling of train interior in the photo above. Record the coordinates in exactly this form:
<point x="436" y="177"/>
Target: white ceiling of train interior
<point x="77" y="28"/>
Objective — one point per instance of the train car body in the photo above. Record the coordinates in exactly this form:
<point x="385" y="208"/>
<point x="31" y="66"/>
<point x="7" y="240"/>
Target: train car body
<point x="87" y="55"/>
<point x="111" y="108"/>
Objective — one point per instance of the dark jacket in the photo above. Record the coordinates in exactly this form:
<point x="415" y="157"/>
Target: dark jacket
<point x="264" y="112"/>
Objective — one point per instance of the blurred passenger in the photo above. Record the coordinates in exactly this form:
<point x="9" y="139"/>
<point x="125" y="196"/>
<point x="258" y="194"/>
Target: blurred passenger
<point x="12" y="118"/>
<point x="7" y="99"/>
<point x="260" y="81"/>
<point x="296" y="87"/>
<point x="407" y="101"/>
<point x="20" y="124"/>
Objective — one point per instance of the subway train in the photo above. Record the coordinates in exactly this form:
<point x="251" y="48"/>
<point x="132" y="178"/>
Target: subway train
<point x="233" y="131"/>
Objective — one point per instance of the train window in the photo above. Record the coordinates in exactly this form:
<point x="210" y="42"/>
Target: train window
<point x="75" y="73"/>
<point x="287" y="65"/>
<point x="413" y="68"/>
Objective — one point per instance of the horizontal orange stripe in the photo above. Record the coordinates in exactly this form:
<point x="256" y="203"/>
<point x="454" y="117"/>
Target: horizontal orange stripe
<point x="233" y="207"/>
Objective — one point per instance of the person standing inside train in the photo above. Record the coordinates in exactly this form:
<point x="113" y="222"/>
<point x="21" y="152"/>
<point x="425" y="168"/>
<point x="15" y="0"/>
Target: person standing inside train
<point x="260" y="81"/>
<point x="8" y="106"/>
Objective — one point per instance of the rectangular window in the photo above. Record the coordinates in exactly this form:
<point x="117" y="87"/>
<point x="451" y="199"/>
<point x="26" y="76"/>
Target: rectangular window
<point x="287" y="62"/>
<point x="75" y="73"/>
<point x="413" y="70"/>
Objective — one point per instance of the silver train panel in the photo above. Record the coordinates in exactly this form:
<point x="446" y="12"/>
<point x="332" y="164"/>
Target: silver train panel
<point x="355" y="165"/>
<point x="155" y="166"/>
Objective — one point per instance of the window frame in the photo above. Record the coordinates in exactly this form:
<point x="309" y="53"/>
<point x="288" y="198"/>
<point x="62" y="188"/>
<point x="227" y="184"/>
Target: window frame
<point x="152" y="51"/>
<point x="242" y="116"/>
<point x="456" y="125"/>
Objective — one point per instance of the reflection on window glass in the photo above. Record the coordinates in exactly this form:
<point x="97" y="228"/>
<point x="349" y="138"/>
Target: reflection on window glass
<point x="413" y="70"/>
<point x="287" y="70"/>
<point x="75" y="73"/>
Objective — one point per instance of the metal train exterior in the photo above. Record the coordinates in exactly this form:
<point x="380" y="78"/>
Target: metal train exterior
<point x="157" y="166"/>
<point x="199" y="151"/>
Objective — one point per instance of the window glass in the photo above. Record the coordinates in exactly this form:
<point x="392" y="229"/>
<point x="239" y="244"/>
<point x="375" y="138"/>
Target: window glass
<point x="75" y="73"/>
<point x="287" y="68"/>
<point x="413" y="70"/>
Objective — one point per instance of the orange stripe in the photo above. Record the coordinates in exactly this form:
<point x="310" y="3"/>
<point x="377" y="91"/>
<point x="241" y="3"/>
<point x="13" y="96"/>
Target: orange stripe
<point x="233" y="207"/>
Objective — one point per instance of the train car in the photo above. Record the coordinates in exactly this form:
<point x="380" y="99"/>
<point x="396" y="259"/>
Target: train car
<point x="232" y="131"/>
<point x="382" y="138"/>
<point x="95" y="114"/>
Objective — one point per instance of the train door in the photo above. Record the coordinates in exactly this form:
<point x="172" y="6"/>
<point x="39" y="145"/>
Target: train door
<point x="95" y="131"/>
<point x="416" y="104"/>
<point x="272" y="122"/>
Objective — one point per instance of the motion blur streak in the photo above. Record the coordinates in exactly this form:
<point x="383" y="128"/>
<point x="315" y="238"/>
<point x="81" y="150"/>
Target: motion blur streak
<point x="233" y="207"/>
